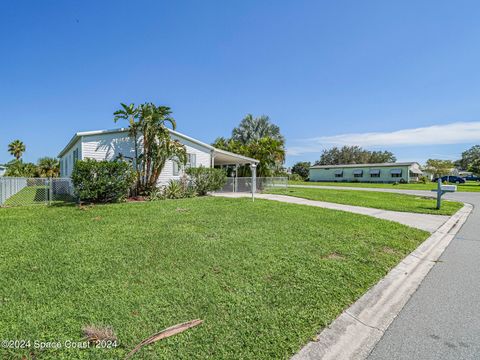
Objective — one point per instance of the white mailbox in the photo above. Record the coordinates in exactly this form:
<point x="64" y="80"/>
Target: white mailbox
<point x="448" y="188"/>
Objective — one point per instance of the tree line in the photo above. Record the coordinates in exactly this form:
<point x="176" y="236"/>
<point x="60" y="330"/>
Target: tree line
<point x="45" y="166"/>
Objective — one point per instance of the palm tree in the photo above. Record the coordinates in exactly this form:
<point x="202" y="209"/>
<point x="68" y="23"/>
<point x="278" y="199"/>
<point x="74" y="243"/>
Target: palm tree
<point x="48" y="167"/>
<point x="16" y="148"/>
<point x="131" y="114"/>
<point x="251" y="129"/>
<point x="153" y="144"/>
<point x="158" y="147"/>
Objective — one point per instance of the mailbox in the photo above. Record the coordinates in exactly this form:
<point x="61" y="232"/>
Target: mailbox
<point x="442" y="189"/>
<point x="448" y="188"/>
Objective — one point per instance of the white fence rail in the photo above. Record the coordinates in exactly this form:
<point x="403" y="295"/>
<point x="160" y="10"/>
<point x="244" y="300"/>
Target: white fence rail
<point x="19" y="191"/>
<point x="244" y="184"/>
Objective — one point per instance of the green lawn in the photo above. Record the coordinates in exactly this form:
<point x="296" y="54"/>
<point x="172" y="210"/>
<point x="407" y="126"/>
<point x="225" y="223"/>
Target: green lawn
<point x="371" y="199"/>
<point x="469" y="186"/>
<point x="35" y="195"/>
<point x="264" y="276"/>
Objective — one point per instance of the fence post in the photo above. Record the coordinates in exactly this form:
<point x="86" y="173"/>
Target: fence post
<point x="50" y="190"/>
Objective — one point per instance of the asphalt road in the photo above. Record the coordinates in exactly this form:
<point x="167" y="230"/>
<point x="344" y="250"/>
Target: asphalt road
<point x="442" y="319"/>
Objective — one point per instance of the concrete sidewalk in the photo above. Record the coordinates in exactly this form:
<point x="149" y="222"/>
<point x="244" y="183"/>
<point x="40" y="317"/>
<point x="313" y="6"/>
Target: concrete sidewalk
<point x="425" y="222"/>
<point x="395" y="191"/>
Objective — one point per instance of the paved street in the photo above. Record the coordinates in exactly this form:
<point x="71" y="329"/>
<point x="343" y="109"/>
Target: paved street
<point x="442" y="319"/>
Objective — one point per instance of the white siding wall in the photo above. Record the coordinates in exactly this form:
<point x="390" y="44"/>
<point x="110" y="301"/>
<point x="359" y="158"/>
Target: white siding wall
<point x="203" y="158"/>
<point x="109" y="146"/>
<point x="67" y="162"/>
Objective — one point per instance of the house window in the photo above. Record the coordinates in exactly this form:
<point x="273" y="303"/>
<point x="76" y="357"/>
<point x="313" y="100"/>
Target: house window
<point x="191" y="160"/>
<point x="75" y="155"/>
<point x="357" y="173"/>
<point x="396" y="173"/>
<point x="375" y="173"/>
<point x="338" y="173"/>
<point x="176" y="168"/>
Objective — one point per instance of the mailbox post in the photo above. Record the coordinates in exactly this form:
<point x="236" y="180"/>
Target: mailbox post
<point x="442" y="189"/>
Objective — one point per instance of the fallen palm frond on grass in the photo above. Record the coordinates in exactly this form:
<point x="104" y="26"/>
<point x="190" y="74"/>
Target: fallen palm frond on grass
<point x="176" y="329"/>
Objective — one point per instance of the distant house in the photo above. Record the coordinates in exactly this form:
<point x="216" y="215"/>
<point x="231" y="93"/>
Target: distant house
<point x="3" y="169"/>
<point x="111" y="144"/>
<point x="378" y="173"/>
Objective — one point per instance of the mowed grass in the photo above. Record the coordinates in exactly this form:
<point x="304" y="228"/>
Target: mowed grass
<point x="30" y="195"/>
<point x="372" y="199"/>
<point x="469" y="186"/>
<point x="264" y="276"/>
<point x="37" y="195"/>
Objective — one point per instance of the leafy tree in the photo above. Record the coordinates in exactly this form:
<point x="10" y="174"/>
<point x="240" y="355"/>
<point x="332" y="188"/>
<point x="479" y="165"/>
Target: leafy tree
<point x="131" y="114"/>
<point x="439" y="167"/>
<point x="148" y="124"/>
<point x="257" y="138"/>
<point x="253" y="129"/>
<point x="301" y="168"/>
<point x="354" y="155"/>
<point x="17" y="168"/>
<point x="48" y="167"/>
<point x="268" y="151"/>
<point x="16" y="148"/>
<point x="469" y="158"/>
<point x="475" y="167"/>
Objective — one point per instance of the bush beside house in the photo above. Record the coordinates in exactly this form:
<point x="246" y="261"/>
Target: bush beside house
<point x="102" y="181"/>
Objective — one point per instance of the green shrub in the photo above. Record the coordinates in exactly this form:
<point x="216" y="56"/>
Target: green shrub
<point x="295" y="177"/>
<point x="173" y="190"/>
<point x="102" y="181"/>
<point x="422" y="179"/>
<point x="205" y="179"/>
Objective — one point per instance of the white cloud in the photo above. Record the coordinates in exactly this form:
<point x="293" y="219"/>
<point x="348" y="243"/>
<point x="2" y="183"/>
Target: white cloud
<point x="455" y="133"/>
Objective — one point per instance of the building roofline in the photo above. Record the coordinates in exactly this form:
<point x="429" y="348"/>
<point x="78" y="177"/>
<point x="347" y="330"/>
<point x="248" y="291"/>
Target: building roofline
<point x="365" y="165"/>
<point x="80" y="134"/>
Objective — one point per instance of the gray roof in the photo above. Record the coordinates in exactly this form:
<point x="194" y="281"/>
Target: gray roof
<point x="364" y="165"/>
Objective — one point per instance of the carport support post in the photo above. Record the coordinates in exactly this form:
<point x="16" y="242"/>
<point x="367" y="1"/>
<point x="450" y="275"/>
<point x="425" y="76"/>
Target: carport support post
<point x="254" y="179"/>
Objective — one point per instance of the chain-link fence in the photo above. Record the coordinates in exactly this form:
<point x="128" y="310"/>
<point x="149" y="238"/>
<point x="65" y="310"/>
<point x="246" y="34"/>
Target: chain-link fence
<point x="244" y="184"/>
<point x="35" y="191"/>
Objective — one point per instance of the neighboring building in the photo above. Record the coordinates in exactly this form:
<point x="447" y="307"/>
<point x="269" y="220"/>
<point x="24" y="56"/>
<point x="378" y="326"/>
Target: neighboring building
<point x="383" y="173"/>
<point x="3" y="169"/>
<point x="110" y="144"/>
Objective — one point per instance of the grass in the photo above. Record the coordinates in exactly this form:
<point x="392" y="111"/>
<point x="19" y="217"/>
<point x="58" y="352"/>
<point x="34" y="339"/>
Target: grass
<point x="35" y="195"/>
<point x="469" y="186"/>
<point x="373" y="199"/>
<point x="264" y="276"/>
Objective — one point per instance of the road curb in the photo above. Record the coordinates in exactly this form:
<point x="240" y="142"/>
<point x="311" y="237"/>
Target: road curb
<point x="354" y="334"/>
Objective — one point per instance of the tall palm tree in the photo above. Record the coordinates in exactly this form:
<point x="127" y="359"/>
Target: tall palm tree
<point x="252" y="129"/>
<point x="16" y="148"/>
<point x="153" y="144"/>
<point x="48" y="167"/>
<point x="131" y="114"/>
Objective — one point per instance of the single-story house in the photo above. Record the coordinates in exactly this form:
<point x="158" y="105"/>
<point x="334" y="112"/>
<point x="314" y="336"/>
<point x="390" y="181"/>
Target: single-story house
<point x="381" y="173"/>
<point x="110" y="144"/>
<point x="3" y="169"/>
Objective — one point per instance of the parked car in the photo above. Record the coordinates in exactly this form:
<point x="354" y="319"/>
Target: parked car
<point x="451" y="179"/>
<point x="472" y="178"/>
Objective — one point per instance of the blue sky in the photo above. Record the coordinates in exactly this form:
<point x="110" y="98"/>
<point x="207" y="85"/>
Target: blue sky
<point x="327" y="72"/>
